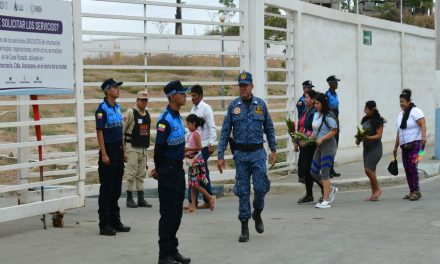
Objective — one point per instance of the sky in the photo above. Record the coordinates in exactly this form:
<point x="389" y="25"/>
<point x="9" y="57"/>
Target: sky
<point x="101" y="7"/>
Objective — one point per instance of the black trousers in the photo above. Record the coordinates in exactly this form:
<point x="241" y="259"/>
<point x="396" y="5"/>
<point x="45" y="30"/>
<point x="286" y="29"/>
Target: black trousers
<point x="304" y="165"/>
<point x="171" y="185"/>
<point x="110" y="178"/>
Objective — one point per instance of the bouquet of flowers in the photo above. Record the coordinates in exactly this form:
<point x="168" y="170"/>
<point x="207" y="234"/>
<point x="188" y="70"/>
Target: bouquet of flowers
<point x="419" y="156"/>
<point x="304" y="137"/>
<point x="290" y="127"/>
<point x="361" y="134"/>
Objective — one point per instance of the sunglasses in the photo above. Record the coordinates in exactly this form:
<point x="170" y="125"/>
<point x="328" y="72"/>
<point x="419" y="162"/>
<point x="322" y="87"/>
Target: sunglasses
<point x="143" y="100"/>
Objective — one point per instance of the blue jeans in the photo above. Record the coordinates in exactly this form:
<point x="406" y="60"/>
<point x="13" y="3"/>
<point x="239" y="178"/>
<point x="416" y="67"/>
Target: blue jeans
<point x="206" y="155"/>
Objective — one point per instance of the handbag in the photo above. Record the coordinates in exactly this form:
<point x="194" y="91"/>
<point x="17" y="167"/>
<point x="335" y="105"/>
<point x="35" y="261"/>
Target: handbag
<point x="392" y="167"/>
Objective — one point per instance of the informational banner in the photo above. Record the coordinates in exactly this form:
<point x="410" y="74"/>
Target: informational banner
<point x="36" y="47"/>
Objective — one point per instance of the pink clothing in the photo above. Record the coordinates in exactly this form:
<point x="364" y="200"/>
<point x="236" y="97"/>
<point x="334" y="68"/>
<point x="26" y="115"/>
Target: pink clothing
<point x="192" y="141"/>
<point x="196" y="164"/>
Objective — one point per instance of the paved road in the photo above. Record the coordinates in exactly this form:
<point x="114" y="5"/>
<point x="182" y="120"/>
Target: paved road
<point x="353" y="231"/>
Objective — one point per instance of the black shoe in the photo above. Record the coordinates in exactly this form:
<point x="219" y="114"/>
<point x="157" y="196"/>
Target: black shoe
<point x="306" y="200"/>
<point x="141" y="200"/>
<point x="244" y="236"/>
<point x="121" y="228"/>
<point x="181" y="259"/>
<point x="107" y="231"/>
<point x="333" y="173"/>
<point x="259" y="226"/>
<point x="167" y="260"/>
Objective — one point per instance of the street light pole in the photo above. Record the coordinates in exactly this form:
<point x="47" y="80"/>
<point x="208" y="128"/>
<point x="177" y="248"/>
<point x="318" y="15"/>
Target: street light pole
<point x="222" y="91"/>
<point x="401" y="11"/>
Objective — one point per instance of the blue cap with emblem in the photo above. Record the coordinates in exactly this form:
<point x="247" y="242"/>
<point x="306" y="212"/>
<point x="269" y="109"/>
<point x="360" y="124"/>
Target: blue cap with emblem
<point x="109" y="83"/>
<point x="307" y="84"/>
<point x="244" y="78"/>
<point x="332" y="79"/>
<point x="174" y="87"/>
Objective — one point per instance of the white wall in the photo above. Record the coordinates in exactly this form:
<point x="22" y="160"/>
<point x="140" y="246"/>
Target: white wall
<point x="166" y="44"/>
<point x="401" y="56"/>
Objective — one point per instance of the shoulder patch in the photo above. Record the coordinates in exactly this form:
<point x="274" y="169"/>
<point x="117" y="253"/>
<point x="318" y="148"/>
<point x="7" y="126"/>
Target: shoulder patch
<point x="161" y="127"/>
<point x="99" y="116"/>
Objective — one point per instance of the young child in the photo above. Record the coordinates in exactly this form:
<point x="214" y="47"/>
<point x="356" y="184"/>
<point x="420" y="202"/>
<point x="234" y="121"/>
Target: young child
<point x="194" y="159"/>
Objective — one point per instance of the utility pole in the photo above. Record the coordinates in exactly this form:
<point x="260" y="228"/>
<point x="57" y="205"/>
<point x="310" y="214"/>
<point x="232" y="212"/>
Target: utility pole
<point x="178" y="16"/>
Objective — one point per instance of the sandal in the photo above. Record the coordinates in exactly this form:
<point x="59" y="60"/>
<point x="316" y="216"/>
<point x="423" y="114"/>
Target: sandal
<point x="419" y="194"/>
<point x="212" y="203"/>
<point x="191" y="210"/>
<point x="406" y="197"/>
<point x="376" y="197"/>
<point x="413" y="197"/>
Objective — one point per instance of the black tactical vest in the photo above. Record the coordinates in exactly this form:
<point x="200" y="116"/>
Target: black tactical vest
<point x="140" y="135"/>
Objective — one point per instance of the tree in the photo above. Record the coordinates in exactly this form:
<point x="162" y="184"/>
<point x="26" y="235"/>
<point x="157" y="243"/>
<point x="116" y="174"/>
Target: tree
<point x="230" y="4"/>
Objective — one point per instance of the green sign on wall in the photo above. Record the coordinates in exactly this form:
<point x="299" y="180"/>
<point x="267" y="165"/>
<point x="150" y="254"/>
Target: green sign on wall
<point x="368" y="37"/>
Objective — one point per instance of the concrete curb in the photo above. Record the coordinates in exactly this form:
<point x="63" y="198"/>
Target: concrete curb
<point x="342" y="184"/>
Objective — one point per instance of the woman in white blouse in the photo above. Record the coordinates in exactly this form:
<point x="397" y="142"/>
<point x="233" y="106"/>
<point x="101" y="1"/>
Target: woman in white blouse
<point x="411" y="136"/>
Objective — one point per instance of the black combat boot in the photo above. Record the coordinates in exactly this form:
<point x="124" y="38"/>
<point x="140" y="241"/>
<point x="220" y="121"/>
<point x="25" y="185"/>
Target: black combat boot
<point x="259" y="226"/>
<point x="141" y="200"/>
<point x="244" y="236"/>
<point x="130" y="201"/>
<point x="120" y="227"/>
<point x="167" y="260"/>
<point x="181" y="259"/>
<point x="107" y="231"/>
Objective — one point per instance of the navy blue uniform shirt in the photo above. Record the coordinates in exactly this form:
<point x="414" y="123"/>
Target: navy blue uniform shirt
<point x="109" y="120"/>
<point x="301" y="106"/>
<point x="170" y="137"/>
<point x="332" y="98"/>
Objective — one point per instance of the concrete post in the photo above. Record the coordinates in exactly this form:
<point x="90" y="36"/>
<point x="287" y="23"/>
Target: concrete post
<point x="22" y="136"/>
<point x="437" y="73"/>
<point x="437" y="34"/>
<point x="257" y="63"/>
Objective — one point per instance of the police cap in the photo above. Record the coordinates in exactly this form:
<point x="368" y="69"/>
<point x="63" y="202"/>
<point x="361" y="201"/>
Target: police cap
<point x="110" y="83"/>
<point x="244" y="78"/>
<point x="174" y="87"/>
<point x="308" y="84"/>
<point x="332" y="79"/>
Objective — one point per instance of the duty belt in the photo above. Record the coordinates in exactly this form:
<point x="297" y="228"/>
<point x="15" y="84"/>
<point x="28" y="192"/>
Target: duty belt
<point x="248" y="147"/>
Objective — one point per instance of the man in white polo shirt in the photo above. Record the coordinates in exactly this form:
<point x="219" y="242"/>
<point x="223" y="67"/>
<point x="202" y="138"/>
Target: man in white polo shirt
<point x="209" y="136"/>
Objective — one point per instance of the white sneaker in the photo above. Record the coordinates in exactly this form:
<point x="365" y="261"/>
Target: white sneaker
<point x="323" y="205"/>
<point x="332" y="194"/>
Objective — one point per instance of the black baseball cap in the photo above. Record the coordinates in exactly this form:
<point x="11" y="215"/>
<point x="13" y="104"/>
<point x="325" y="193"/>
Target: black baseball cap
<point x="332" y="79"/>
<point x="175" y="87"/>
<point x="308" y="84"/>
<point x="110" y="83"/>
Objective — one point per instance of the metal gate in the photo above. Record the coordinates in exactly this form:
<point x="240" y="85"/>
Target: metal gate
<point x="134" y="44"/>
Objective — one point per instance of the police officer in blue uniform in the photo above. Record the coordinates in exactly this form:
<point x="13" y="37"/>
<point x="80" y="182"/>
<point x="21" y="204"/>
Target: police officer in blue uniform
<point x="169" y="153"/>
<point x="333" y="101"/>
<point x="248" y="118"/>
<point x="301" y="104"/>
<point x="108" y="117"/>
